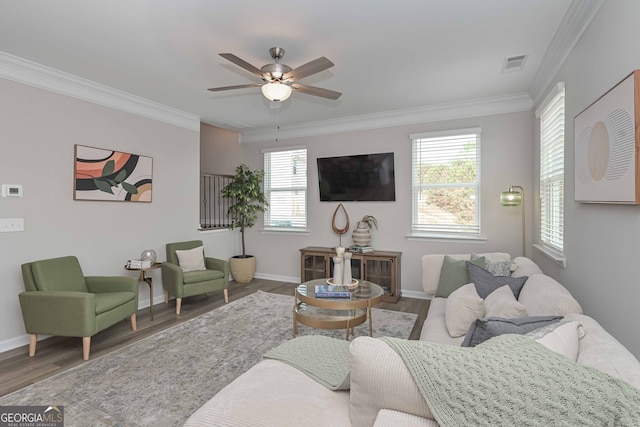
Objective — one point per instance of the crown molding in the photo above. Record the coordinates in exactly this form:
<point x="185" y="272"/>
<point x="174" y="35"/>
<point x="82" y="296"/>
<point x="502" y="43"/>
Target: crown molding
<point x="573" y="25"/>
<point x="472" y="108"/>
<point x="33" y="74"/>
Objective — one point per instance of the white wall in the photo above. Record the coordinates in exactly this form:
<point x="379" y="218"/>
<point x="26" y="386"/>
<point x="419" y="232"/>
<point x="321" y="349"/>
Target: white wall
<point x="507" y="158"/>
<point x="38" y="130"/>
<point x="602" y="242"/>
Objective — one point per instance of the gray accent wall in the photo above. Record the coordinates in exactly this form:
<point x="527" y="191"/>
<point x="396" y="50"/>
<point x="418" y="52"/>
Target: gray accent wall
<point x="602" y="241"/>
<point x="507" y="158"/>
<point x="38" y="130"/>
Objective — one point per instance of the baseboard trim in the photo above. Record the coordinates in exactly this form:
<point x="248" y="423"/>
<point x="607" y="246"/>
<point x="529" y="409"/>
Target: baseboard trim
<point x="414" y="294"/>
<point x="288" y="279"/>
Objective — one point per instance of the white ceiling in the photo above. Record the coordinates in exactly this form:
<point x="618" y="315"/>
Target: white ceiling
<point x="388" y="55"/>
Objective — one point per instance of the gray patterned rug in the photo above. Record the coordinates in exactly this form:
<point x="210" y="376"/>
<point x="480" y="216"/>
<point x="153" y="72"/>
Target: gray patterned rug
<point x="162" y="379"/>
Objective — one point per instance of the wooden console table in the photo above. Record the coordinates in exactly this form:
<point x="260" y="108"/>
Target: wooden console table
<point x="381" y="267"/>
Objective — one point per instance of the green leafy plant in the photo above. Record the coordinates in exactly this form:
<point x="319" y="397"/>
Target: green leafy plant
<point x="105" y="183"/>
<point x="247" y="197"/>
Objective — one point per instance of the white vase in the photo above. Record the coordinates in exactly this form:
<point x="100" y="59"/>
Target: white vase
<point x="361" y="235"/>
<point x="337" y="270"/>
<point x="346" y="275"/>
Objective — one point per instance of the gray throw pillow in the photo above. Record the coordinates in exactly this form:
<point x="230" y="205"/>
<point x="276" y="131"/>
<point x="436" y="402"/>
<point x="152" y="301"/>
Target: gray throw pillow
<point x="486" y="282"/>
<point x="500" y="268"/>
<point x="453" y="275"/>
<point x="489" y="327"/>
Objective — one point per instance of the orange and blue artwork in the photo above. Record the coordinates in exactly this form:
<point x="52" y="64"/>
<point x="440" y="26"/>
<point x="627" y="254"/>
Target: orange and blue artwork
<point x="110" y="175"/>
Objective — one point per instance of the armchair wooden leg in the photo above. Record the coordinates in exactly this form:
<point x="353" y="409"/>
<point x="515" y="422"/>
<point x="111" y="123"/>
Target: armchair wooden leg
<point x="86" y="347"/>
<point x="178" y="305"/>
<point x="33" y="340"/>
<point x="134" y="325"/>
<point x="226" y="296"/>
<point x="166" y="297"/>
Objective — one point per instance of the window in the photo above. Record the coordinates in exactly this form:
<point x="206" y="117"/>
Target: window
<point x="551" y="114"/>
<point x="285" y="186"/>
<point x="446" y="182"/>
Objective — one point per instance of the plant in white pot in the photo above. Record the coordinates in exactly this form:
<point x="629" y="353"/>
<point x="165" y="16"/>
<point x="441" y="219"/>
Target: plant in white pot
<point x="362" y="233"/>
<point x="248" y="199"/>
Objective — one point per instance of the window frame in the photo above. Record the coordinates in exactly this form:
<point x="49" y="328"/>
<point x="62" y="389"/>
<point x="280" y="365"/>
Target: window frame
<point x="552" y="116"/>
<point x="269" y="190"/>
<point x="435" y="231"/>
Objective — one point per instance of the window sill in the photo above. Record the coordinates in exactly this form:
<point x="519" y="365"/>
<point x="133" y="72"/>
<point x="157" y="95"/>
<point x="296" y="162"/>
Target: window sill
<point x="299" y="231"/>
<point x="432" y="237"/>
<point x="553" y="256"/>
<point x="213" y="230"/>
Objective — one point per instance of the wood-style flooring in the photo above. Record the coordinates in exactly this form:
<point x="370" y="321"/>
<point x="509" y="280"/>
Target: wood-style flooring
<point x="57" y="354"/>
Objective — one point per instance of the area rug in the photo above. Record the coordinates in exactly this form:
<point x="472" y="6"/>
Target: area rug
<point x="162" y="379"/>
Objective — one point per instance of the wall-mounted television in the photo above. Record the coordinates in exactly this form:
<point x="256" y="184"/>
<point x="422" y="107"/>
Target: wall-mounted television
<point x="364" y="177"/>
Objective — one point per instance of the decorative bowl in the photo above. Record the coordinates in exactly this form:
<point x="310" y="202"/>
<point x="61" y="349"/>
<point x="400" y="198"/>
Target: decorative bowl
<point x="352" y="286"/>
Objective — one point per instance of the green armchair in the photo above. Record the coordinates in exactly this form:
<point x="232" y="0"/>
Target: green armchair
<point x="213" y="274"/>
<point x="60" y="300"/>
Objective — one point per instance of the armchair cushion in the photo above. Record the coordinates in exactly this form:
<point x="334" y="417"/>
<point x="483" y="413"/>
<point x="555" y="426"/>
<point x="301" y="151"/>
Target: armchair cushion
<point x="191" y="259"/>
<point x="201" y="276"/>
<point x="107" y="301"/>
<point x="59" y="274"/>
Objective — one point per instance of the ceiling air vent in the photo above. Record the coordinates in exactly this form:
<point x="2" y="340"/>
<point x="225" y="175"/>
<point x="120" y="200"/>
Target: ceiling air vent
<point x="514" y="63"/>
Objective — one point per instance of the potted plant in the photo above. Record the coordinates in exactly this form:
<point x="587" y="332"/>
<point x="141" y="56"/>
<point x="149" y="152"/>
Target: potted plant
<point x="248" y="199"/>
<point x="362" y="234"/>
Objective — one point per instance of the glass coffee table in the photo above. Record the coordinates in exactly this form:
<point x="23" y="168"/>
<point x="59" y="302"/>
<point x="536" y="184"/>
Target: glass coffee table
<point x="335" y="313"/>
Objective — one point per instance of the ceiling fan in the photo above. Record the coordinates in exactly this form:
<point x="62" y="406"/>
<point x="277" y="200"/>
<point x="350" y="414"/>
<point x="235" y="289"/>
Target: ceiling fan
<point x="280" y="79"/>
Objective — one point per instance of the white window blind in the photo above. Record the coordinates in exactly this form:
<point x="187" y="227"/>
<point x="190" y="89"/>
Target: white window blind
<point x="285" y="186"/>
<point x="446" y="182"/>
<point x="552" y="119"/>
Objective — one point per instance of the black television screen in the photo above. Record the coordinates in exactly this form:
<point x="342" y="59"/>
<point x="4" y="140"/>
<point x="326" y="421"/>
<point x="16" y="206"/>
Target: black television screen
<point x="365" y="177"/>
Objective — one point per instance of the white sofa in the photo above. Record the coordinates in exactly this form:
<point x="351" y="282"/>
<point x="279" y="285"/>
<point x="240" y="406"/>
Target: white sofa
<point x="383" y="392"/>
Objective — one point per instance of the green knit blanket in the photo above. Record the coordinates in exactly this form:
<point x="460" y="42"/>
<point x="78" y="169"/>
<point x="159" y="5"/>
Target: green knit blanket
<point x="324" y="359"/>
<point x="511" y="380"/>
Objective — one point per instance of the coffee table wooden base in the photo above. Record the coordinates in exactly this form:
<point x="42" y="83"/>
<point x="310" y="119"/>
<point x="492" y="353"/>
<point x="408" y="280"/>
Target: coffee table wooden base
<point x="316" y="317"/>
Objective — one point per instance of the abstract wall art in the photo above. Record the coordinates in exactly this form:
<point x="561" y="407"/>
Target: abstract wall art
<point x="109" y="175"/>
<point x="606" y="146"/>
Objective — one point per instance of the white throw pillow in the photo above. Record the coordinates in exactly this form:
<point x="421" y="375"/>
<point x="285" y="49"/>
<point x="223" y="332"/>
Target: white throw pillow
<point x="463" y="307"/>
<point x="191" y="259"/>
<point x="502" y="303"/>
<point x="561" y="337"/>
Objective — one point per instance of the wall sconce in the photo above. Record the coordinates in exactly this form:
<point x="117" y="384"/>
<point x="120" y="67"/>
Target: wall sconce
<point x="512" y="197"/>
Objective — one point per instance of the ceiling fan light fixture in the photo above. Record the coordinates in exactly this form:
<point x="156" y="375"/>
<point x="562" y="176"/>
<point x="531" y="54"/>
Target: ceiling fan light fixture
<point x="276" y="91"/>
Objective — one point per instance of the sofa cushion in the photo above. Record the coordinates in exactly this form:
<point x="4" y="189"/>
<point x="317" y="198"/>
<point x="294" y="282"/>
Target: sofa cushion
<point x="502" y="303"/>
<point x="454" y="274"/>
<point x="191" y="259"/>
<point x="486" y="282"/>
<point x="483" y="329"/>
<point x="501" y="268"/>
<point x="562" y="337"/>
<point x="380" y="380"/>
<point x="432" y="265"/>
<point x="198" y="276"/>
<point x="463" y="307"/>
<point x="391" y="418"/>
<point x="602" y="351"/>
<point x="543" y="296"/>
<point x="273" y="393"/>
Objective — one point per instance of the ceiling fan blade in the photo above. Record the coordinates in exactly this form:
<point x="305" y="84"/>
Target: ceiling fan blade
<point x="244" y="64"/>
<point x="308" y="69"/>
<point x="316" y="91"/>
<point x="217" y="89"/>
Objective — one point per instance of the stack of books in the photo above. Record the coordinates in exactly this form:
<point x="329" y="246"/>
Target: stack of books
<point x="332" y="291"/>
<point x="360" y="249"/>
<point x="138" y="263"/>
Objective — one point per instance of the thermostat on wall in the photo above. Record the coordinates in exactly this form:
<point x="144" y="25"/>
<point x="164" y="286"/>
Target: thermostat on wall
<point x="11" y="190"/>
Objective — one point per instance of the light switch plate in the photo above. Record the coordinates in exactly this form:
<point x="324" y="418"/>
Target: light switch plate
<point x="11" y="190"/>
<point x="11" y="224"/>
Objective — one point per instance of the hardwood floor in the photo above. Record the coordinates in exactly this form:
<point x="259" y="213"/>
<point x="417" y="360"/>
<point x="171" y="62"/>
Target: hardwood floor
<point x="57" y="354"/>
